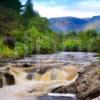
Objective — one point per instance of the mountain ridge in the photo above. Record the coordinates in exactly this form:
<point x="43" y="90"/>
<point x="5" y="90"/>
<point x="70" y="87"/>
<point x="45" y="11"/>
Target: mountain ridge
<point x="65" y="24"/>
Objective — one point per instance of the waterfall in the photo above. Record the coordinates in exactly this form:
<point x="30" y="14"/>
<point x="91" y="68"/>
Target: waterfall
<point x="4" y="81"/>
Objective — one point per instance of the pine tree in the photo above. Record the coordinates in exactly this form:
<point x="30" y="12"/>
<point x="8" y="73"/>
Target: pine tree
<point x="29" y="11"/>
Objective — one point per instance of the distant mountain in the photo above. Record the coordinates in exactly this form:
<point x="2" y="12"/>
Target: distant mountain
<point x="65" y="24"/>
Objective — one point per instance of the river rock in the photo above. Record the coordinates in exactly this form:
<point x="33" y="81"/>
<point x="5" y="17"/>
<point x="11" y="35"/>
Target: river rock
<point x="87" y="86"/>
<point x="9" y="79"/>
<point x="29" y="76"/>
<point x="26" y="65"/>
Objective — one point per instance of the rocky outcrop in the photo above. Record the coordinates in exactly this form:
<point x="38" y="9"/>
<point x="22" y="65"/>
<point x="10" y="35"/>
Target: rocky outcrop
<point x="87" y="86"/>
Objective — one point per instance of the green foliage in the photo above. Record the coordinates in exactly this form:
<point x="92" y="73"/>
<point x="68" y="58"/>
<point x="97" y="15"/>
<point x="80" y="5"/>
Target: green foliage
<point x="32" y="33"/>
<point x="44" y="45"/>
<point x="28" y="12"/>
<point x="19" y="50"/>
<point x="41" y="23"/>
<point x="14" y="5"/>
<point x="87" y="34"/>
<point x="88" y="41"/>
<point x="5" y="52"/>
<point x="71" y="45"/>
<point x="10" y="18"/>
<point x="6" y="21"/>
<point x="94" y="45"/>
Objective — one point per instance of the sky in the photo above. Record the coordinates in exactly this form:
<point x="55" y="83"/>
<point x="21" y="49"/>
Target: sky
<point x="63" y="8"/>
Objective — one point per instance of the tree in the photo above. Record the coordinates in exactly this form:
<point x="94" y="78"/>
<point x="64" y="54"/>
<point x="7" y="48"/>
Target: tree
<point x="29" y="12"/>
<point x="9" y="15"/>
<point x="40" y="23"/>
<point x="14" y="5"/>
<point x="5" y="21"/>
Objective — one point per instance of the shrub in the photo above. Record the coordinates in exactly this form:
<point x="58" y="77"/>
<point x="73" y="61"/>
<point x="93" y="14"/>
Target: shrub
<point x="6" y="52"/>
<point x="19" y="50"/>
<point x="94" y="45"/>
<point x="71" y="45"/>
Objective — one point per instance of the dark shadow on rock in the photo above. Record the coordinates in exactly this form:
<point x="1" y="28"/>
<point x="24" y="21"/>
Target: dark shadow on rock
<point x="10" y="79"/>
<point x="26" y="65"/>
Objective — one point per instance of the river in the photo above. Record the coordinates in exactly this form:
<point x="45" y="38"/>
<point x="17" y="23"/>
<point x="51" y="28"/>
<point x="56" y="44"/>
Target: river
<point x="37" y="74"/>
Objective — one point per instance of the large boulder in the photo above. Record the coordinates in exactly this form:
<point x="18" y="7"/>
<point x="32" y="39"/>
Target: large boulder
<point x="87" y="86"/>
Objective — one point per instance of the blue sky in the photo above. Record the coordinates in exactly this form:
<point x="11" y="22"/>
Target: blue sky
<point x="61" y="8"/>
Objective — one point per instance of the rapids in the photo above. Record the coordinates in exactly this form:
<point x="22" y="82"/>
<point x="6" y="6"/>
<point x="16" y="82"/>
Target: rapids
<point x="44" y="73"/>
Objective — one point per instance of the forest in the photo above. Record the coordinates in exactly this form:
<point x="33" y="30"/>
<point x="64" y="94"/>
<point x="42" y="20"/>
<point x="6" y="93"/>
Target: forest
<point x="24" y="32"/>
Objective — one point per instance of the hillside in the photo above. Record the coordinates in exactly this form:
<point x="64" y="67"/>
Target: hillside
<point x="63" y="24"/>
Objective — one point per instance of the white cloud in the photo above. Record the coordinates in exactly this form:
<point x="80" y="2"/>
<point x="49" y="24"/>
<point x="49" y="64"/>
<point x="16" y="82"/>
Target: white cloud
<point x="92" y="5"/>
<point x="57" y="8"/>
<point x="50" y="11"/>
<point x="58" y="11"/>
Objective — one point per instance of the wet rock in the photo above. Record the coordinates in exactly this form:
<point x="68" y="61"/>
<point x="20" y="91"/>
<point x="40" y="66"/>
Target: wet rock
<point x="29" y="76"/>
<point x="42" y="70"/>
<point x="96" y="55"/>
<point x="87" y="86"/>
<point x="1" y="84"/>
<point x="26" y="65"/>
<point x="10" y="79"/>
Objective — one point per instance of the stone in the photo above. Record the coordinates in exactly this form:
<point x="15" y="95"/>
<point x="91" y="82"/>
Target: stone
<point x="29" y="76"/>
<point x="10" y="79"/>
<point x="87" y="86"/>
<point x="26" y="65"/>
